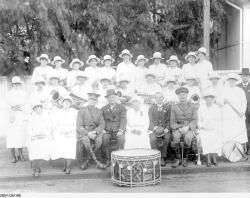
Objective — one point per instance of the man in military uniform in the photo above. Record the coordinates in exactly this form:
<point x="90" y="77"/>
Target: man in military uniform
<point x="183" y="122"/>
<point x="115" y="124"/>
<point x="159" y="126"/>
<point x="89" y="126"/>
<point x="245" y="85"/>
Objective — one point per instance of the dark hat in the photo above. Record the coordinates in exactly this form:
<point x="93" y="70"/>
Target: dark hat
<point x="245" y="71"/>
<point x="181" y="90"/>
<point x="159" y="132"/>
<point x="110" y="92"/>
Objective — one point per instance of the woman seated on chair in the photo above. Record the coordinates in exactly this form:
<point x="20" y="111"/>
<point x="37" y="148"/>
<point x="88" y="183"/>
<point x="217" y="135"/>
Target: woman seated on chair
<point x="64" y="125"/>
<point x="209" y="124"/>
<point x="137" y="126"/>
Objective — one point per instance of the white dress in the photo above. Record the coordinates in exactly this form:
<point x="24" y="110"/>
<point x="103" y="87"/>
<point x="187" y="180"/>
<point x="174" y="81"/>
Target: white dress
<point x="43" y="72"/>
<point x="94" y="74"/>
<point x="234" y="126"/>
<point x="140" y="78"/>
<point x="188" y="70"/>
<point x="108" y="72"/>
<point x="174" y="72"/>
<point x="40" y="136"/>
<point x="210" y="128"/>
<point x="159" y="71"/>
<point x="16" y="136"/>
<point x="203" y="70"/>
<point x="64" y="134"/>
<point x="71" y="78"/>
<point x="137" y="121"/>
<point x="170" y="95"/>
<point x="62" y="73"/>
<point x="126" y="71"/>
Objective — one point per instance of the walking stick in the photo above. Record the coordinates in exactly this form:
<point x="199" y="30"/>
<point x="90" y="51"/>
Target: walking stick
<point x="198" y="151"/>
<point x="182" y="151"/>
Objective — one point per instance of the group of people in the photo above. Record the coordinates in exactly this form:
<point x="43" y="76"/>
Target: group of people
<point x="100" y="108"/>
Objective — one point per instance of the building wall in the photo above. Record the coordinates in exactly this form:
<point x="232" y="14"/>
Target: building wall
<point x="246" y="36"/>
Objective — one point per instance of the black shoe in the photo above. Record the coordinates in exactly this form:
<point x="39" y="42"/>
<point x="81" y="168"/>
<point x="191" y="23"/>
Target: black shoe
<point x="176" y="164"/>
<point x="163" y="163"/>
<point x="14" y="160"/>
<point x="64" y="169"/>
<point x="21" y="158"/>
<point x="84" y="165"/>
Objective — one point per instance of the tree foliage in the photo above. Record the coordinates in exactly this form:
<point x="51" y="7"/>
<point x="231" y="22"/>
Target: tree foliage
<point x="81" y="27"/>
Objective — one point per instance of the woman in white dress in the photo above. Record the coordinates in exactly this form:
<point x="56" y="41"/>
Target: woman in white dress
<point x="64" y="134"/>
<point x="93" y="71"/>
<point x="16" y="100"/>
<point x="190" y="67"/>
<point x="75" y="65"/>
<point x="173" y="69"/>
<point x="62" y="73"/>
<point x="233" y="111"/>
<point x="44" y="69"/>
<point x="107" y="70"/>
<point x="140" y="73"/>
<point x="209" y="127"/>
<point x="39" y="136"/>
<point x="168" y="89"/>
<point x="137" y="126"/>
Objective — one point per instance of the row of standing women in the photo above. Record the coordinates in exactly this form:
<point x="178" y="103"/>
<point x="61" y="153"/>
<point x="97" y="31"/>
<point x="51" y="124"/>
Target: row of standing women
<point x="53" y="87"/>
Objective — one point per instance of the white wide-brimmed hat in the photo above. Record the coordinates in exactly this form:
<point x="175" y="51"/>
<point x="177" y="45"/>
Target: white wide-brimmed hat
<point x="123" y="79"/>
<point x="141" y="57"/>
<point x="16" y="80"/>
<point x="173" y="58"/>
<point x="202" y="50"/>
<point x="214" y="75"/>
<point x="107" y="57"/>
<point x="190" y="77"/>
<point x="157" y="55"/>
<point x="92" y="57"/>
<point x="233" y="76"/>
<point x="209" y="92"/>
<point x="170" y="79"/>
<point x="125" y="51"/>
<point x="36" y="102"/>
<point x="149" y="73"/>
<point x="82" y="74"/>
<point x="76" y="60"/>
<point x="38" y="59"/>
<point x="39" y="79"/>
<point x="190" y="54"/>
<point x="57" y="58"/>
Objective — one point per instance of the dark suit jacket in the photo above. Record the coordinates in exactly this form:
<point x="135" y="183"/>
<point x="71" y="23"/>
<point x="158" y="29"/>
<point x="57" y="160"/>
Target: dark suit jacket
<point x="115" y="119"/>
<point x="159" y="118"/>
<point x="247" y="92"/>
<point x="89" y="119"/>
<point x="185" y="115"/>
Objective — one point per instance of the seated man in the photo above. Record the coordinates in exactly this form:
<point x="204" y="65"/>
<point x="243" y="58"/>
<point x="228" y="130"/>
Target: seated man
<point x="89" y="127"/>
<point x="159" y="126"/>
<point x="183" y="122"/>
<point x="115" y="118"/>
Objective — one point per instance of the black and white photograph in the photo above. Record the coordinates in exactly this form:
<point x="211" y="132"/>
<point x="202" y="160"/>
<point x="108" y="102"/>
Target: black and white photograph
<point x="108" y="98"/>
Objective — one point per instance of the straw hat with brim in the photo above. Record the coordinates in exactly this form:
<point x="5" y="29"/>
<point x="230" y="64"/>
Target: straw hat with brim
<point x="181" y="90"/>
<point x="190" y="77"/>
<point x="170" y="80"/>
<point x="157" y="55"/>
<point x="233" y="76"/>
<point x="214" y="75"/>
<point x="36" y="103"/>
<point x="16" y="80"/>
<point x="202" y="50"/>
<point x="190" y="54"/>
<point x="110" y="92"/>
<point x="107" y="57"/>
<point x="141" y="57"/>
<point x="82" y="75"/>
<point x="105" y="78"/>
<point x="92" y="57"/>
<point x="173" y="58"/>
<point x="159" y="132"/>
<point x="57" y="58"/>
<point x="44" y="56"/>
<point x="125" y="51"/>
<point x="245" y="72"/>
<point x="39" y="80"/>
<point x="76" y="60"/>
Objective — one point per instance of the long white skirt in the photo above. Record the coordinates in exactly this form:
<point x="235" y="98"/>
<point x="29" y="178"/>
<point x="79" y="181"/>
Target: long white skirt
<point x="63" y="148"/>
<point x="16" y="136"/>
<point x="39" y="149"/>
<point x="211" y="142"/>
<point x="136" y="141"/>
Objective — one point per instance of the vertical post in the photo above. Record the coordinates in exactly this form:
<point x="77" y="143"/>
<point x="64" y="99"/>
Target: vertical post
<point x="206" y="24"/>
